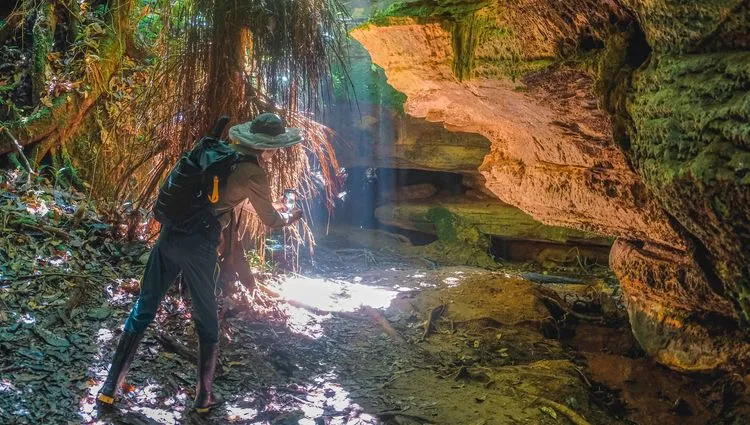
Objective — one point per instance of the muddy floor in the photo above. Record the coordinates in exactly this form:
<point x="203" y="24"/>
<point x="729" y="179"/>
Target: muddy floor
<point x="361" y="335"/>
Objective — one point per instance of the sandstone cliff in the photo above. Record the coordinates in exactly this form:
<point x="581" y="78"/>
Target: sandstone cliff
<point x="628" y="119"/>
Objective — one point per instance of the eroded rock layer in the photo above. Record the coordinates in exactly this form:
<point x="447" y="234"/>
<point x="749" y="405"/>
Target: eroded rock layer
<point x="559" y="169"/>
<point x="490" y="216"/>
<point x="673" y="184"/>
<point x="372" y="136"/>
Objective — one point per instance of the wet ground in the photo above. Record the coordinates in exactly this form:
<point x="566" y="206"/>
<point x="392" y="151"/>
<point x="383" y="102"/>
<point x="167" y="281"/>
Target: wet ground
<point x="362" y="335"/>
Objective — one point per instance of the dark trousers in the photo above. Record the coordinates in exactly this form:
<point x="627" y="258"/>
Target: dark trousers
<point x="195" y="255"/>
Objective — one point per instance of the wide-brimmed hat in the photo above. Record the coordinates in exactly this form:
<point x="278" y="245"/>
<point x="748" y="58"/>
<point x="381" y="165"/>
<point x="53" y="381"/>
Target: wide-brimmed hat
<point x="266" y="131"/>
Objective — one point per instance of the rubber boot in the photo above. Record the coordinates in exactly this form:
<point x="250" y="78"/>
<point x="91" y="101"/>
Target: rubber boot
<point x="120" y="364"/>
<point x="205" y="400"/>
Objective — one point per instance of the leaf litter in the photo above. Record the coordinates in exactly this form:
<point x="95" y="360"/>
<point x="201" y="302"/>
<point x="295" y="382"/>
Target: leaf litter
<point x="449" y="345"/>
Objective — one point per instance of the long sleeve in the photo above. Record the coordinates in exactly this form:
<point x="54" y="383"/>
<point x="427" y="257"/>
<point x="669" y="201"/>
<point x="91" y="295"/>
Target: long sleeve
<point x="260" y="198"/>
<point x="248" y="182"/>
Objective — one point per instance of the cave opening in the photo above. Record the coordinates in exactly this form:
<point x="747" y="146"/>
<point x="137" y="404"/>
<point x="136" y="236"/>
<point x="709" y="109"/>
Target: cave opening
<point x="367" y="188"/>
<point x="408" y="202"/>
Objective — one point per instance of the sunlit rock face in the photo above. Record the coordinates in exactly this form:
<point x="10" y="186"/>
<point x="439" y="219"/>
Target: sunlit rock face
<point x="376" y="136"/>
<point x="672" y="183"/>
<point x="552" y="153"/>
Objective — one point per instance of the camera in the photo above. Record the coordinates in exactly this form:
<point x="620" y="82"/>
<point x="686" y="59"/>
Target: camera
<point x="290" y="199"/>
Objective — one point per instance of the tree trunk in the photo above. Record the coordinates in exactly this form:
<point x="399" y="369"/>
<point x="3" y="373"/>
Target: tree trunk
<point x="44" y="40"/>
<point x="61" y="120"/>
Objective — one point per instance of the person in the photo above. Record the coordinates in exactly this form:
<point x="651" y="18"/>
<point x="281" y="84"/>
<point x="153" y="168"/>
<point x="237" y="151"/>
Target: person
<point x="195" y="255"/>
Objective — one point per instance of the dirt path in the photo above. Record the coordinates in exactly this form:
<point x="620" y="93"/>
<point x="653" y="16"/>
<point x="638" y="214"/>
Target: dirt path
<point x="361" y="336"/>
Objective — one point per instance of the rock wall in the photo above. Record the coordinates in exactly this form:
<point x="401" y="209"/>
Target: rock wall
<point x="491" y="216"/>
<point x="690" y="138"/>
<point x="375" y="136"/>
<point x="672" y="183"/>
<point x="539" y="132"/>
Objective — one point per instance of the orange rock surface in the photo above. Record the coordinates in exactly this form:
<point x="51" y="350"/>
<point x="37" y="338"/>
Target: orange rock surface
<point x="552" y="153"/>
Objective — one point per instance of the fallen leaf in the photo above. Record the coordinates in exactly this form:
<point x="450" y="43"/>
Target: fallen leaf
<point x="52" y="339"/>
<point x="549" y="411"/>
<point x="98" y="313"/>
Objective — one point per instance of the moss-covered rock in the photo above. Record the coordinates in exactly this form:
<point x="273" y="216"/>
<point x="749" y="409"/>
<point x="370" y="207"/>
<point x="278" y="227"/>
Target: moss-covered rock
<point x="687" y="25"/>
<point x="459" y="241"/>
<point x="691" y="145"/>
<point x="489" y="216"/>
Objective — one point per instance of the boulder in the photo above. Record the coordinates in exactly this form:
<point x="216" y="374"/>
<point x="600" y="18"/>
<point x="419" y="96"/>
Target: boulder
<point x="675" y="314"/>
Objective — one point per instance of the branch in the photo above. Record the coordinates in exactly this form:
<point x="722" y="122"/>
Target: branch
<point x="19" y="150"/>
<point x="10" y="27"/>
<point x="173" y="345"/>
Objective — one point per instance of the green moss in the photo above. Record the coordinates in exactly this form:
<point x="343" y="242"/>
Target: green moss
<point x="458" y="242"/>
<point x="445" y="223"/>
<point x="513" y="69"/>
<point x="688" y="103"/>
<point x="466" y="34"/>
<point x="678" y="26"/>
<point x="44" y="40"/>
<point x="691" y="116"/>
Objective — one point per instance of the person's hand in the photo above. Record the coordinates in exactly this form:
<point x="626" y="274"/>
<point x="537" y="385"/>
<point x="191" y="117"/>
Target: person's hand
<point x="294" y="215"/>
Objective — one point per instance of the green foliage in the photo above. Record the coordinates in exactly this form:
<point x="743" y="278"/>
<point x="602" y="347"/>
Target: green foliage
<point x="101" y="10"/>
<point x="149" y="29"/>
<point x="13" y="157"/>
<point x="445" y="223"/>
